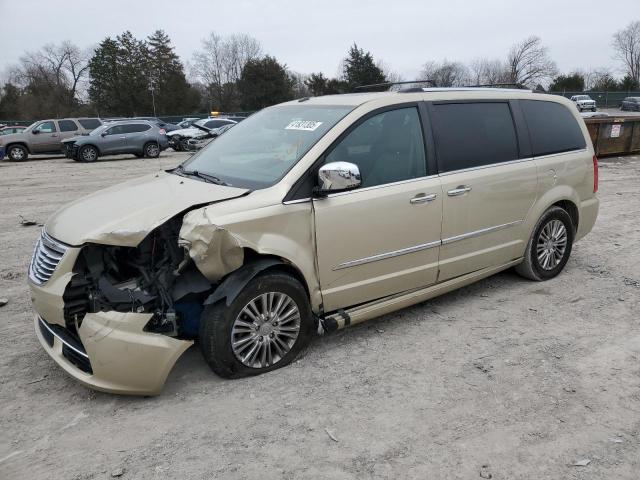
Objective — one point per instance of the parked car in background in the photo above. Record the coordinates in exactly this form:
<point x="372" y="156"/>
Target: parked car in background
<point x="584" y="102"/>
<point x="138" y="137"/>
<point x="187" y="122"/>
<point x="12" y="129"/>
<point x="179" y="139"/>
<point x="159" y="122"/>
<point x="198" y="143"/>
<point x="45" y="136"/>
<point x="631" y="103"/>
<point x="310" y="217"/>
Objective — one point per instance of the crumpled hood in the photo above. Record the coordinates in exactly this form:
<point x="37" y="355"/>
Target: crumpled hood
<point x="187" y="132"/>
<point x="124" y="214"/>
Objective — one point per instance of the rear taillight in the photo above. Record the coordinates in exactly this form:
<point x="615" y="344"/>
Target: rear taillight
<point x="595" y="174"/>
<point x="162" y="131"/>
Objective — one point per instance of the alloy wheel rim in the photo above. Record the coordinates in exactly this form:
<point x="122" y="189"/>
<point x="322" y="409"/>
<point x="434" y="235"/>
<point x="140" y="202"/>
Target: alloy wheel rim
<point x="17" y="153"/>
<point x="89" y="154"/>
<point x="552" y="244"/>
<point x="265" y="330"/>
<point x="152" y="150"/>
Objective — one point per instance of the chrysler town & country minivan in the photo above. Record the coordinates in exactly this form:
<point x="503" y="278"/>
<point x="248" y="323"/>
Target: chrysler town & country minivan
<point x="310" y="216"/>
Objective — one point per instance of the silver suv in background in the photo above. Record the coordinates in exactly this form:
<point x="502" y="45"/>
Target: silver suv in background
<point x="44" y="136"/>
<point x="138" y="137"/>
<point x="584" y="102"/>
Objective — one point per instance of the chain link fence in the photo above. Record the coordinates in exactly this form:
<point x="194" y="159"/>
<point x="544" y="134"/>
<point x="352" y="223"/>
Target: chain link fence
<point x="603" y="99"/>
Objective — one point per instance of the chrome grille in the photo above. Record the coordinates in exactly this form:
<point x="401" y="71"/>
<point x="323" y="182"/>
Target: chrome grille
<point x="46" y="257"/>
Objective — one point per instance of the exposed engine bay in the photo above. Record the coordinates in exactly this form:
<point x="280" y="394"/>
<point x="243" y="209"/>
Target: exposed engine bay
<point x="155" y="277"/>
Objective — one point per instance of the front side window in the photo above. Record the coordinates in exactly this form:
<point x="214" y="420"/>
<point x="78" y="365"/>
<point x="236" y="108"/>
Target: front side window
<point x="387" y="148"/>
<point x="469" y="135"/>
<point x="259" y="151"/>
<point x="552" y="127"/>
<point x="116" y="130"/>
<point x="46" y="127"/>
<point x="67" y="125"/>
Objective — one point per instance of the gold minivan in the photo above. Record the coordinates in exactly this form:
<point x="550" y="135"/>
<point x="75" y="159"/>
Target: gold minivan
<point x="306" y="217"/>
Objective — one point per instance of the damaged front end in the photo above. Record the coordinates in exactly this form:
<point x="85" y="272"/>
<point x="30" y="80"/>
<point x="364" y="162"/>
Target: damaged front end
<point x="157" y="278"/>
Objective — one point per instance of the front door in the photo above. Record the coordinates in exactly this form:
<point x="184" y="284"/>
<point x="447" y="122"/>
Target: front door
<point x="487" y="187"/>
<point x="114" y="140"/>
<point x="45" y="138"/>
<point x="383" y="237"/>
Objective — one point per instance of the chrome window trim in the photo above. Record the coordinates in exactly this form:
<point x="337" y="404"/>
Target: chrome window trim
<point x="44" y="324"/>
<point x="373" y="187"/>
<point x="569" y="152"/>
<point x="491" y="165"/>
<point x="298" y="200"/>
<point x="384" y="256"/>
<point x="477" y="233"/>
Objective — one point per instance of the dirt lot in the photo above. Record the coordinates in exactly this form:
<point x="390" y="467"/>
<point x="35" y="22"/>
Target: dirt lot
<point x="506" y="378"/>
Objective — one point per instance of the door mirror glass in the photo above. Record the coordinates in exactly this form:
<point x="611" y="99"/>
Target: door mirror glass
<point x="338" y="177"/>
<point x="35" y="131"/>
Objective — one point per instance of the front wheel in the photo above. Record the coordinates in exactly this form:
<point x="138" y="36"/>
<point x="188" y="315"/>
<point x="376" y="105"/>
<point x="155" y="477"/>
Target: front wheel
<point x="151" y="150"/>
<point x="549" y="247"/>
<point x="264" y="328"/>
<point x="18" y="153"/>
<point x="88" y="153"/>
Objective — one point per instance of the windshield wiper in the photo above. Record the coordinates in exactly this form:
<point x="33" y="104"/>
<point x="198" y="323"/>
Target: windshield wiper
<point x="203" y="176"/>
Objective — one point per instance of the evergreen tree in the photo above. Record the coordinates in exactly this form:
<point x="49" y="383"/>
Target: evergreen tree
<point x="172" y="92"/>
<point x="104" y="78"/>
<point x="572" y="83"/>
<point x="264" y="82"/>
<point x="360" y="69"/>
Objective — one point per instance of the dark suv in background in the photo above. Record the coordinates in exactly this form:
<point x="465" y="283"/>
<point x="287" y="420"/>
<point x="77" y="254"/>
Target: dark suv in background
<point x="138" y="137"/>
<point x="631" y="103"/>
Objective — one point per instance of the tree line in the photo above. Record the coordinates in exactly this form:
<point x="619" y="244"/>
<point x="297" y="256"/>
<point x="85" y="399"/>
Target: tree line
<point x="127" y="76"/>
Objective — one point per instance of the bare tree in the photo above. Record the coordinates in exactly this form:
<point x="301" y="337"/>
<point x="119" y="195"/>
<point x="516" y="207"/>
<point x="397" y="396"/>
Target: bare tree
<point x="626" y="44"/>
<point x="446" y="73"/>
<point x="529" y="63"/>
<point x="389" y="74"/>
<point x="220" y="62"/>
<point x="486" y="71"/>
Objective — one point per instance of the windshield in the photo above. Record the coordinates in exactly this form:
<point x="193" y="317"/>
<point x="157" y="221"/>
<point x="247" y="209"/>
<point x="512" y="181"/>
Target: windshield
<point x="258" y="151"/>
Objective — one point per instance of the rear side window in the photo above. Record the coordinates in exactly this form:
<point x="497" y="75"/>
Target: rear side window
<point x="89" y="123"/>
<point x="67" y="125"/>
<point x="469" y="135"/>
<point x="136" y="128"/>
<point x="216" y="123"/>
<point x="552" y="127"/>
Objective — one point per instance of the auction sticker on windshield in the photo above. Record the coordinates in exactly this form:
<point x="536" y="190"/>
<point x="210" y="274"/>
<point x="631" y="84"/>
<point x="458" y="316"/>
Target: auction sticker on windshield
<point x="307" y="125"/>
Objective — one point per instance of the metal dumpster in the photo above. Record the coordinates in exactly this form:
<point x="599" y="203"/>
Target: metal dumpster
<point x="617" y="135"/>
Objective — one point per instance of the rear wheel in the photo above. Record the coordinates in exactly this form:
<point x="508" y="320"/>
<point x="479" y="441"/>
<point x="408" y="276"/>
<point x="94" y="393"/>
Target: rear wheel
<point x="18" y="153"/>
<point x="264" y="328"/>
<point x="151" y="150"/>
<point x="549" y="247"/>
<point x="88" y="153"/>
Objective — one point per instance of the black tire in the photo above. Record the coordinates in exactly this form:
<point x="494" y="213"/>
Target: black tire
<point x="17" y="153"/>
<point x="88" y="154"/>
<point x="216" y="323"/>
<point x="531" y="266"/>
<point x="184" y="145"/>
<point x="151" y="150"/>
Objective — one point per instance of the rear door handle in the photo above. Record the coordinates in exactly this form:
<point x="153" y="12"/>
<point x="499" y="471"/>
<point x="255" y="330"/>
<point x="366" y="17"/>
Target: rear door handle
<point x="422" y="198"/>
<point x="461" y="190"/>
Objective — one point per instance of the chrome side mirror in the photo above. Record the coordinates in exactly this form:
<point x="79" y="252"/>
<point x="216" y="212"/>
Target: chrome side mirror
<point x="338" y="177"/>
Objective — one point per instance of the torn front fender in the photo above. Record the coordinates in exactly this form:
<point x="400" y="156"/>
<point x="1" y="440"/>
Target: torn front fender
<point x="215" y="251"/>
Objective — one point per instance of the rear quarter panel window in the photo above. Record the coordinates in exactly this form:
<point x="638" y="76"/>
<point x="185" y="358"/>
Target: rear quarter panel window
<point x="90" y="123"/>
<point x="469" y="135"/>
<point x="552" y="127"/>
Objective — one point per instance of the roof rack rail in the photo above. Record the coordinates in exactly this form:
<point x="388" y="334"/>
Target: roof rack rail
<point x="499" y="85"/>
<point x="390" y="84"/>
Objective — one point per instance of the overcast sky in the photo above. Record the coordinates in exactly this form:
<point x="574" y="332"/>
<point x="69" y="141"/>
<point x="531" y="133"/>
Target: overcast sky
<point x="314" y="36"/>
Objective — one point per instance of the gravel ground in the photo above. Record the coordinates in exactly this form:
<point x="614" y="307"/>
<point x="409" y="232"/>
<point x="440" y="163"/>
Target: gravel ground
<point x="505" y="379"/>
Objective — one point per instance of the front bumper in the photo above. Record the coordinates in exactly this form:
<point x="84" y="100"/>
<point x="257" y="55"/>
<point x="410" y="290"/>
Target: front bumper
<point x="115" y="355"/>
<point x="111" y="352"/>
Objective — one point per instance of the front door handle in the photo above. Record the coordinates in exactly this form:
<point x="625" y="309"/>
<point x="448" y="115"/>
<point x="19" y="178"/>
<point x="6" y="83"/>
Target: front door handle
<point x="461" y="190"/>
<point x="422" y="198"/>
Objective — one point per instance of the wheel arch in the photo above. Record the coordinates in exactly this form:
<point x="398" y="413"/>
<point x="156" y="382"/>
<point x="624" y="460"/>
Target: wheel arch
<point x="14" y="144"/>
